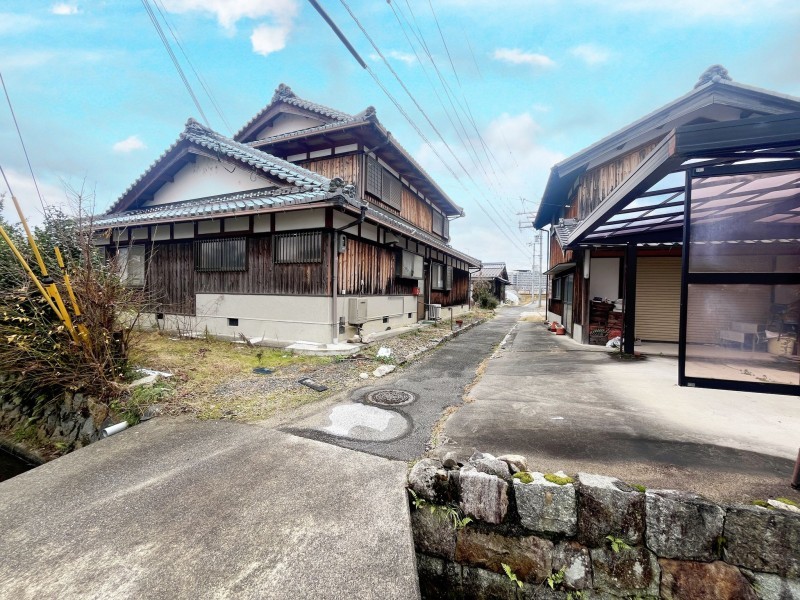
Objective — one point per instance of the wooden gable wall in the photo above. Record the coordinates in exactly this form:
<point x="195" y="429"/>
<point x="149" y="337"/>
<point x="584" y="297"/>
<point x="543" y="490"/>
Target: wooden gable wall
<point x="594" y="186"/>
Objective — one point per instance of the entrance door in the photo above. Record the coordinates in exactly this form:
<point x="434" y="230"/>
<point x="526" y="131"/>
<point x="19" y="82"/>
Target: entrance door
<point x="568" y="294"/>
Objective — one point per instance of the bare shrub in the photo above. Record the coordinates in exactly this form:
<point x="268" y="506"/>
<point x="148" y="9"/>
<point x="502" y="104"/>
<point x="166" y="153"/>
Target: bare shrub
<point x="37" y="350"/>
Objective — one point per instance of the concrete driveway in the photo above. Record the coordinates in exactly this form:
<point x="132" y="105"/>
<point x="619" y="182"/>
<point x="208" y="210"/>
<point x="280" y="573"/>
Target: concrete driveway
<point x="568" y="406"/>
<point x="180" y="508"/>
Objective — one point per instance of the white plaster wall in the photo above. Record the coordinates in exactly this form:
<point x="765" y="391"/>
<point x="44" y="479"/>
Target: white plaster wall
<point x="577" y="332"/>
<point x="551" y="316"/>
<point x="604" y="278"/>
<point x="207" y="177"/>
<point x="287" y="123"/>
<point x="160" y="232"/>
<point x="183" y="230"/>
<point x="300" y="219"/>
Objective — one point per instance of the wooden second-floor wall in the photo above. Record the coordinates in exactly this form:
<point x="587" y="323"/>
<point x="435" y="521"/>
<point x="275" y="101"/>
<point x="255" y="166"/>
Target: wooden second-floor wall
<point x="595" y="185"/>
<point x="350" y="169"/>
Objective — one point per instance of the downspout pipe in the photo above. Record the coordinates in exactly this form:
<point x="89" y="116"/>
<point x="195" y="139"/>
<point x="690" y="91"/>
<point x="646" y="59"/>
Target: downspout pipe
<point x="335" y="273"/>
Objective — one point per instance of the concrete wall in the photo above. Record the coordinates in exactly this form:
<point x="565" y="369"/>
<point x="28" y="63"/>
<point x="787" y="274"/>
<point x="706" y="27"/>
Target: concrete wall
<point x="592" y="537"/>
<point x="206" y="177"/>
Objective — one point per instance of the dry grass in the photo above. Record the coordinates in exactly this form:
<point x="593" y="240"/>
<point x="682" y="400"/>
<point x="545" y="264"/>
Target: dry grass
<point x="214" y="379"/>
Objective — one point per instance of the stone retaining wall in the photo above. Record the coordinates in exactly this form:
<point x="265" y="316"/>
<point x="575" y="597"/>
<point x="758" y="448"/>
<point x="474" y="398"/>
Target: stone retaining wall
<point x="63" y="423"/>
<point x="594" y="537"/>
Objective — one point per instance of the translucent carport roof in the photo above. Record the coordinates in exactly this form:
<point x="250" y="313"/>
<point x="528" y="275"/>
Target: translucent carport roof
<point x="649" y="205"/>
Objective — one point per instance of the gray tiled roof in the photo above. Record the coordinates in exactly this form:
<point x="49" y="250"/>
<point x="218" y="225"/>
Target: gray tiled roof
<point x="277" y="167"/>
<point x="308" y="131"/>
<point x="224" y="146"/>
<point x="564" y="229"/>
<point x="285" y="94"/>
<point x="491" y="271"/>
<point x="406" y="228"/>
<point x="215" y="206"/>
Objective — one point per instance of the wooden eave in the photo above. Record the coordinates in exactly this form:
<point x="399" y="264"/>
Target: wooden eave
<point x="371" y="135"/>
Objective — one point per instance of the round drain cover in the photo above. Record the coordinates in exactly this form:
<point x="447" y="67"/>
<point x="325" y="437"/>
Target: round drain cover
<point x="390" y="397"/>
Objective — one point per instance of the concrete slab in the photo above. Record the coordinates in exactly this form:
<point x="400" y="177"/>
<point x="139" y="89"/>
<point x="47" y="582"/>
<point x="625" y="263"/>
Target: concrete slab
<point x="578" y="408"/>
<point x="180" y="508"/>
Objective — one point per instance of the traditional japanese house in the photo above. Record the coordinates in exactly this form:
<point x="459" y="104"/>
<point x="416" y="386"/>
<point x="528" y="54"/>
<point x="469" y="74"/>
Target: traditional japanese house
<point x="310" y="224"/>
<point x="495" y="277"/>
<point x="684" y="227"/>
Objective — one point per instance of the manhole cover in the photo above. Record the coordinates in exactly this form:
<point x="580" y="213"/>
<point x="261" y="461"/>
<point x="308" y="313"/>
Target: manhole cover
<point x="390" y="397"/>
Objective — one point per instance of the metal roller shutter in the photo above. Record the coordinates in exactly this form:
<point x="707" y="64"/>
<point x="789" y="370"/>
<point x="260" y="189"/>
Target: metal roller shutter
<point x="658" y="298"/>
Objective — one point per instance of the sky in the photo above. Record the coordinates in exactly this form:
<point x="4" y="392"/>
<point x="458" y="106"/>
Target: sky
<point x="508" y="88"/>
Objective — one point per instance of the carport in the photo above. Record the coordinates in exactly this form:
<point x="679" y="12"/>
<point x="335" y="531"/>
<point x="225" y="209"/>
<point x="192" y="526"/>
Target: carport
<point x="730" y="194"/>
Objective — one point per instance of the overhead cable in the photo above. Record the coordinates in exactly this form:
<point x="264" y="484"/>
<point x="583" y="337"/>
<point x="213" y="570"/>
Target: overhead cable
<point x="24" y="149"/>
<point x="174" y="59"/>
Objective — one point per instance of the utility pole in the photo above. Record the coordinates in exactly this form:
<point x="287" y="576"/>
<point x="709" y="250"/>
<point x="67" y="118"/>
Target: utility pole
<point x="540" y="239"/>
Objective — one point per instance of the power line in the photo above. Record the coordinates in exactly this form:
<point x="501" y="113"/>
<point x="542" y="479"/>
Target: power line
<point x="394" y="101"/>
<point x="450" y="94"/>
<point x="24" y="149"/>
<point x="206" y="89"/>
<point x="421" y="110"/>
<point x="174" y="59"/>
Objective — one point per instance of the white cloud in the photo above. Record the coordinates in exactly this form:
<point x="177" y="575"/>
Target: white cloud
<point x="228" y="12"/>
<point x="591" y="54"/>
<point x="403" y="57"/>
<point x="267" y="39"/>
<point x="129" y="144"/>
<point x="522" y="164"/>
<point x="714" y="9"/>
<point x="26" y="195"/>
<point x="63" y="8"/>
<point x="515" y="56"/>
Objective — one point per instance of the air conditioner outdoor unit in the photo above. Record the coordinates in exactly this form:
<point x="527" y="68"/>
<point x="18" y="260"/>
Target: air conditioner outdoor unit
<point x="357" y="311"/>
<point x="434" y="311"/>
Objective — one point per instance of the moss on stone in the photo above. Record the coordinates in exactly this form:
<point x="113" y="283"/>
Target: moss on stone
<point x="761" y="503"/>
<point x="523" y="476"/>
<point x="639" y="488"/>
<point x="787" y="501"/>
<point x="558" y="479"/>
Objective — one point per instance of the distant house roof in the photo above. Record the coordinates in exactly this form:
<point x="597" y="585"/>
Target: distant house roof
<point x="220" y="146"/>
<point x="491" y="271"/>
<point x="563" y="229"/>
<point x="715" y="87"/>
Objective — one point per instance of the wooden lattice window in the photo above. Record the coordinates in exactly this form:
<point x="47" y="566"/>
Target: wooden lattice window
<point x="305" y="247"/>
<point x="374" y="177"/>
<point x="229" y="254"/>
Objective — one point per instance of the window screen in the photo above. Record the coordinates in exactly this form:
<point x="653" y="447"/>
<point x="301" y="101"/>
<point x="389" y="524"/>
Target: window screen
<point x="220" y="255"/>
<point x="298" y="248"/>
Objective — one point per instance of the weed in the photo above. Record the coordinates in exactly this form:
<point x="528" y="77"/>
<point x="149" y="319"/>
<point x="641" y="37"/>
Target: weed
<point x="510" y="574"/>
<point x="556" y="578"/>
<point x="617" y="544"/>
<point x="639" y="488"/>
<point x="448" y="512"/>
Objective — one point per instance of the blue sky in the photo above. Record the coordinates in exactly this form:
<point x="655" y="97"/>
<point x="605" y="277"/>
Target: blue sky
<point x="98" y="99"/>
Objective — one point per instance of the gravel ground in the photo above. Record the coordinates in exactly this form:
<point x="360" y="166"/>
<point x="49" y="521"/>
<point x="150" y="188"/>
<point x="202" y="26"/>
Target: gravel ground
<point x="252" y="397"/>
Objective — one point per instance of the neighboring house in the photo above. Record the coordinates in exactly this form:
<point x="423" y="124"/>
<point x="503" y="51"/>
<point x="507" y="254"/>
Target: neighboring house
<point x="310" y="224"/>
<point x="495" y="276"/>
<point x="626" y="261"/>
